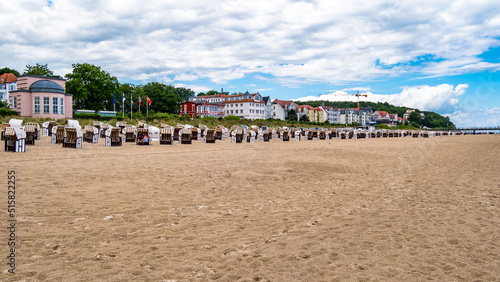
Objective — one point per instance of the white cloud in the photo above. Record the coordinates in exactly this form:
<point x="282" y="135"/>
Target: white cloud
<point x="357" y="89"/>
<point x="489" y="117"/>
<point x="441" y="98"/>
<point x="195" y="88"/>
<point x="292" y="41"/>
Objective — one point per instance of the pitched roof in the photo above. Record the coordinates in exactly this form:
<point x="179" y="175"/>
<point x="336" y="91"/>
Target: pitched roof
<point x="382" y="113"/>
<point x="7" y="78"/>
<point x="283" y="103"/>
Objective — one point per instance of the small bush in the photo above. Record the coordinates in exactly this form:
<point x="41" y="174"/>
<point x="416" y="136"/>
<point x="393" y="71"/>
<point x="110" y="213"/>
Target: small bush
<point x="230" y="117"/>
<point x="86" y="116"/>
<point x="185" y="118"/>
<point x="7" y="112"/>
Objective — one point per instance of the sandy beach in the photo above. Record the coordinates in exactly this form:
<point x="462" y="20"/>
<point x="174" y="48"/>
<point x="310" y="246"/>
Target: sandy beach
<point x="335" y="210"/>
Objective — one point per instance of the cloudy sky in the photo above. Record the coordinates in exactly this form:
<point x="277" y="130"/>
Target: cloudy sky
<point x="436" y="55"/>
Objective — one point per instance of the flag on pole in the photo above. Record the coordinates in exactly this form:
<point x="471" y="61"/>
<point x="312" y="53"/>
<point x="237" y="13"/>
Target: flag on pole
<point x="123" y="98"/>
<point x="114" y="98"/>
<point x="148" y="100"/>
<point x="140" y="100"/>
<point x="131" y="101"/>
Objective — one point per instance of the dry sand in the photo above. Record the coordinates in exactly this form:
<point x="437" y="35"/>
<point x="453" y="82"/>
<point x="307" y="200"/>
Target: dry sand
<point x="376" y="209"/>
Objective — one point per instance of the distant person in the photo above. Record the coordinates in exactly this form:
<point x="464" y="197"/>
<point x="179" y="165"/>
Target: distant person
<point x="145" y="140"/>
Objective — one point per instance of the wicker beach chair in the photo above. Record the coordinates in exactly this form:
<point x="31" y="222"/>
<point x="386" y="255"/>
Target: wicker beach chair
<point x="47" y="128"/>
<point x="361" y="135"/>
<point x="314" y="133"/>
<point x="142" y="136"/>
<point x="30" y="134"/>
<point x="266" y="136"/>
<point x="113" y="136"/>
<point x="97" y="124"/>
<point x="58" y="134"/>
<point x="71" y="138"/>
<point x="166" y="136"/>
<point x="90" y="134"/>
<point x="209" y="136"/>
<point x="15" y="140"/>
<point x="130" y="134"/>
<point x="104" y="128"/>
<point x="239" y="135"/>
<point x="121" y="125"/>
<point x="321" y="135"/>
<point x="186" y="136"/>
<point x="4" y="127"/>
<point x="195" y="134"/>
<point x="177" y="133"/>
<point x="310" y="134"/>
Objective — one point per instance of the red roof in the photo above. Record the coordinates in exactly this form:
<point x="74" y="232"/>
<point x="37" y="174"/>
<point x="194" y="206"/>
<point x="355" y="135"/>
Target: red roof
<point x="7" y="78"/>
<point x="382" y="113"/>
<point x="283" y="103"/>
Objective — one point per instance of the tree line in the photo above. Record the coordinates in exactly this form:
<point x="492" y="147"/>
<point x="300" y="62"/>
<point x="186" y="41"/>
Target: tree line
<point x="95" y="89"/>
<point x="431" y="119"/>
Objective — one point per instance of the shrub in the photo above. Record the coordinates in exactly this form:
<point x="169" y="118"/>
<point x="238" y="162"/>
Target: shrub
<point x="86" y="116"/>
<point x="7" y="112"/>
<point x="185" y="118"/>
<point x="230" y="117"/>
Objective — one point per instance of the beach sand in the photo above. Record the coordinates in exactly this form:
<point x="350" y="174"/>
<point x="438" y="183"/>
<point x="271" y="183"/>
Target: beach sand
<point x="336" y="210"/>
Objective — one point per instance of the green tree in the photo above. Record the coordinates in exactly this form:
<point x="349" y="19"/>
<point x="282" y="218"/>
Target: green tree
<point x="130" y="90"/>
<point x="304" y="118"/>
<point x="212" y="92"/>
<point x="4" y="104"/>
<point x="41" y="70"/>
<point x="291" y="115"/>
<point x="184" y="93"/>
<point x="164" y="98"/>
<point x="8" y="70"/>
<point x="415" y="117"/>
<point x="92" y="88"/>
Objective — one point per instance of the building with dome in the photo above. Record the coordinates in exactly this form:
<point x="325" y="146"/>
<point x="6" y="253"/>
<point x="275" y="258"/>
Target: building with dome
<point x="41" y="97"/>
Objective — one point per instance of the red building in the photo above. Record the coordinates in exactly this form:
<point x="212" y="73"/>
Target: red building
<point x="202" y="109"/>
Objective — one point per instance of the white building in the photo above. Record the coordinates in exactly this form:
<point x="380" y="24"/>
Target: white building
<point x="277" y="111"/>
<point x="269" y="107"/>
<point x="285" y="106"/>
<point x="8" y="83"/>
<point x="249" y="106"/>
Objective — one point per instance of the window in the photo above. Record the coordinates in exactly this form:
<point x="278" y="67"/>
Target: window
<point x="241" y="105"/>
<point x="36" y="104"/>
<point x="236" y="105"/>
<point x="55" y="107"/>
<point x="62" y="106"/>
<point x="241" y="111"/>
<point x="46" y="105"/>
<point x="231" y="111"/>
<point x="14" y="102"/>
